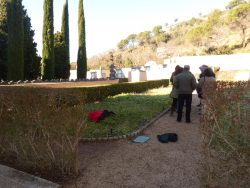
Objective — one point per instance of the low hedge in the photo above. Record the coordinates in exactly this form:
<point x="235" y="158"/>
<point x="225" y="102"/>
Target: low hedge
<point x="99" y="93"/>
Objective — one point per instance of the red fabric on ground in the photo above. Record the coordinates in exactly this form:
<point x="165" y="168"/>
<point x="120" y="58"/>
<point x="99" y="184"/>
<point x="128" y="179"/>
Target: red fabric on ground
<point x="95" y="115"/>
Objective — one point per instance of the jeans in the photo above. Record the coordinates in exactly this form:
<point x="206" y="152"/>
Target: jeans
<point x="181" y="99"/>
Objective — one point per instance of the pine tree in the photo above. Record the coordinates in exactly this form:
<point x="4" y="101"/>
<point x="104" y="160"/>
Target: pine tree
<point x="15" y="41"/>
<point x="65" y="34"/>
<point x="81" y="59"/>
<point x="48" y="41"/>
<point x="3" y="40"/>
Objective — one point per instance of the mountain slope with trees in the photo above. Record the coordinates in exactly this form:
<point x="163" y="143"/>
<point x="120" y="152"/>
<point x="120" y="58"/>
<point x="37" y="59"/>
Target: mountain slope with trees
<point x="220" y="32"/>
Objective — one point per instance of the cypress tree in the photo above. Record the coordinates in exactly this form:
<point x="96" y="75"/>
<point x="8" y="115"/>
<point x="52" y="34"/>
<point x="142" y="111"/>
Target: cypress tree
<point x="15" y="40"/>
<point x="65" y="34"/>
<point x="3" y="40"/>
<point x="32" y="62"/>
<point x="48" y="41"/>
<point x="81" y="58"/>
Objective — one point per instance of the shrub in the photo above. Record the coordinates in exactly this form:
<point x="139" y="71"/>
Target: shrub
<point x="39" y="129"/>
<point x="122" y="80"/>
<point x="98" y="93"/>
<point x="225" y="49"/>
<point x="226" y="134"/>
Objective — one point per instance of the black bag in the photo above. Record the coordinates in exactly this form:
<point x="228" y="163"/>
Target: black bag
<point x="172" y="137"/>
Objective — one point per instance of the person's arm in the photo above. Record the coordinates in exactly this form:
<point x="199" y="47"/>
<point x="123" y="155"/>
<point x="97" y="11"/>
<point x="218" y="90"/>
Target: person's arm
<point x="176" y="82"/>
<point x="171" y="79"/>
<point x="200" y="84"/>
<point x="194" y="83"/>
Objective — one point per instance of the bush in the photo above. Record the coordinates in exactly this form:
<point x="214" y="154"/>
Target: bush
<point x="122" y="80"/>
<point x="226" y="134"/>
<point x="39" y="129"/>
<point x="225" y="49"/>
<point x="99" y="93"/>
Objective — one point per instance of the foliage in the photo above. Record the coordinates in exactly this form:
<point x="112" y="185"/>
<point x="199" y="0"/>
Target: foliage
<point x="234" y="3"/>
<point x="15" y="41"/>
<point x="40" y="131"/>
<point x="65" y="34"/>
<point x="192" y="21"/>
<point x="99" y="93"/>
<point x="131" y="39"/>
<point x="240" y="17"/>
<point x="156" y="29"/>
<point x="195" y="35"/>
<point x="176" y="20"/>
<point x="82" y="56"/>
<point x="131" y="112"/>
<point x="226" y="135"/>
<point x="143" y="37"/>
<point x="128" y="63"/>
<point x="32" y="62"/>
<point x="122" y="80"/>
<point x="62" y="69"/>
<point x="48" y="66"/>
<point x="3" y="40"/>
<point x="73" y="66"/>
<point x="122" y="45"/>
<point x="225" y="49"/>
<point x="166" y="24"/>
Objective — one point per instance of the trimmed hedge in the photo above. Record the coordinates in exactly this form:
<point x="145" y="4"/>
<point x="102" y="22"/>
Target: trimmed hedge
<point x="122" y="80"/>
<point x="99" y="93"/>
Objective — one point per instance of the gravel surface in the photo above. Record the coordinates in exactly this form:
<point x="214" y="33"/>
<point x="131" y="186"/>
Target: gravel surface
<point x="124" y="164"/>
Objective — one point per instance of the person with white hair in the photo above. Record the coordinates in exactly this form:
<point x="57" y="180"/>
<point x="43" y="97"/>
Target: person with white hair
<point x="186" y="84"/>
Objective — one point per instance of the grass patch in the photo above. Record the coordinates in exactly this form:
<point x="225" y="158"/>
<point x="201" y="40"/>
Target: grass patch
<point x="132" y="111"/>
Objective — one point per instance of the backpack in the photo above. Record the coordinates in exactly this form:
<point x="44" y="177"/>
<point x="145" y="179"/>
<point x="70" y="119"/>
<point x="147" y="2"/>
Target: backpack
<point x="172" y="137"/>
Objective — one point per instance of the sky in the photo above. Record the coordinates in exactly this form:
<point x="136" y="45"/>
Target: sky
<point x="109" y="21"/>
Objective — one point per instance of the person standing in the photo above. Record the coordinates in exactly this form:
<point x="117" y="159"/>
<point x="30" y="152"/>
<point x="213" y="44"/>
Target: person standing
<point x="172" y="75"/>
<point x="186" y="84"/>
<point x="174" y="92"/>
<point x="208" y="77"/>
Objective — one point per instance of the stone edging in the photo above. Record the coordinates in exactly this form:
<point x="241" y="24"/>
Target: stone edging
<point x="10" y="177"/>
<point x="130" y="135"/>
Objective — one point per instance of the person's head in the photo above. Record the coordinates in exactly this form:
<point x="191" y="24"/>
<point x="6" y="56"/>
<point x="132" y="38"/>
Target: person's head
<point x="208" y="72"/>
<point x="187" y="67"/>
<point x="179" y="71"/>
<point x="177" y="66"/>
<point x="203" y="67"/>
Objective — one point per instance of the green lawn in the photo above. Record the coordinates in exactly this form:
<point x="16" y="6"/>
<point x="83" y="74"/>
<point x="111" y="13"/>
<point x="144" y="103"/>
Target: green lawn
<point x="132" y="111"/>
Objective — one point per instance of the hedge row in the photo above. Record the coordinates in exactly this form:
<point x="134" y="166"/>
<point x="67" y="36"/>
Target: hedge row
<point x="99" y="93"/>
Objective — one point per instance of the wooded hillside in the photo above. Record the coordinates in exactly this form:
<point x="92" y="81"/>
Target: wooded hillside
<point x="220" y="32"/>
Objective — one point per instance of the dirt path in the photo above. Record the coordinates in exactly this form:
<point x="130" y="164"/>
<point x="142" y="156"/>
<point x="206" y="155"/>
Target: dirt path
<point x="124" y="164"/>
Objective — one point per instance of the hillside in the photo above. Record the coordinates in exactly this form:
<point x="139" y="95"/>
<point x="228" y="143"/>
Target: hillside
<point x="220" y="38"/>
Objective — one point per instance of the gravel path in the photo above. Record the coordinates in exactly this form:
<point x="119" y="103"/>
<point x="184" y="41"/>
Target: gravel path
<point x="124" y="164"/>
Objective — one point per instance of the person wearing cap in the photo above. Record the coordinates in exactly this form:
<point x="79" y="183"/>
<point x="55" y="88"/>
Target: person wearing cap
<point x="186" y="84"/>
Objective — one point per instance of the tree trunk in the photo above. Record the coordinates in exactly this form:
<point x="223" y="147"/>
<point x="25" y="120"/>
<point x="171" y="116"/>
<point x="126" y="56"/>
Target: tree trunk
<point x="244" y="37"/>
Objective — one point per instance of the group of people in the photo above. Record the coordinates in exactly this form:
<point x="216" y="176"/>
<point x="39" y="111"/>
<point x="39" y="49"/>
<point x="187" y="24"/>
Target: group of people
<point x="184" y="83"/>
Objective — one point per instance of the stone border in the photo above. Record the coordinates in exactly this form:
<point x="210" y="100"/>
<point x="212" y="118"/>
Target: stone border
<point x="130" y="135"/>
<point x="12" y="178"/>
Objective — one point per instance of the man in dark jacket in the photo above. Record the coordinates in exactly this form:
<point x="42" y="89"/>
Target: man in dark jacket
<point x="186" y="84"/>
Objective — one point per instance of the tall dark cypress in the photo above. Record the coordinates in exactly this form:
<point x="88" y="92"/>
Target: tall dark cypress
<point x="81" y="58"/>
<point x="15" y="41"/>
<point x="48" y="41"/>
<point x="3" y="40"/>
<point x="65" y="34"/>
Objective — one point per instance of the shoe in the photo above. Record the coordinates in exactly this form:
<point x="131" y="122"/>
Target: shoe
<point x="200" y="109"/>
<point x="199" y="105"/>
<point x="178" y="120"/>
<point x="188" y="121"/>
<point x="200" y="113"/>
<point x="171" y="114"/>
